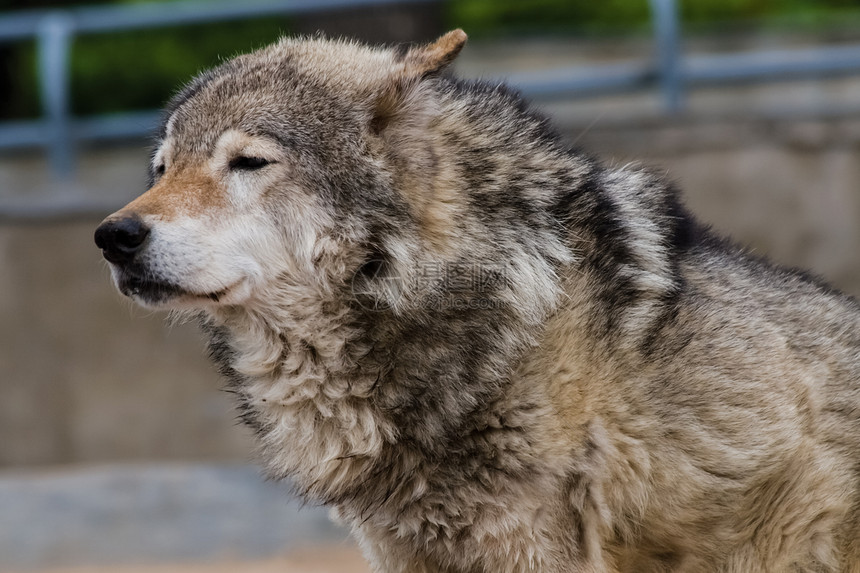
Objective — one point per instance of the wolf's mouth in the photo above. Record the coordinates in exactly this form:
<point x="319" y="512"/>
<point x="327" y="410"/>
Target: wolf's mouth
<point x="158" y="292"/>
<point x="148" y="290"/>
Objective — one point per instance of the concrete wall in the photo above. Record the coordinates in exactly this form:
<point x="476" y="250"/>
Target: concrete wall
<point x="86" y="377"/>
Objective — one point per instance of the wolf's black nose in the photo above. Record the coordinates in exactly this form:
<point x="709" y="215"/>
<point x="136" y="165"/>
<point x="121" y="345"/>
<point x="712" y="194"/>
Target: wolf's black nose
<point x="119" y="239"/>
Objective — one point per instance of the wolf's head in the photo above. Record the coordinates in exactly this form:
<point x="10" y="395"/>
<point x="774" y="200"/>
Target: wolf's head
<point x="286" y="165"/>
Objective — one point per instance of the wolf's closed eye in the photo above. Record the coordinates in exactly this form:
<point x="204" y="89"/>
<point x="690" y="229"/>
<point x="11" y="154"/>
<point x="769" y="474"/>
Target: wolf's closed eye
<point x="248" y="163"/>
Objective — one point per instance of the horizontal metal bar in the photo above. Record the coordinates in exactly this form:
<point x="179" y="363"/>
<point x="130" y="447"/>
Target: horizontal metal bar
<point x="150" y="15"/>
<point x="573" y="82"/>
<point x="57" y="209"/>
<point x="20" y="134"/>
<point x="37" y="133"/>
<point x="570" y="82"/>
<point x="21" y="26"/>
<point x="117" y="126"/>
<point x="584" y="81"/>
<point x="771" y="65"/>
<point x="94" y="19"/>
<point x="767" y="66"/>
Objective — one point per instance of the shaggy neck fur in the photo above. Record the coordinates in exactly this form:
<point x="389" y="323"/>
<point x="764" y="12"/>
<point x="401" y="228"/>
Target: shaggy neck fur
<point x="360" y="408"/>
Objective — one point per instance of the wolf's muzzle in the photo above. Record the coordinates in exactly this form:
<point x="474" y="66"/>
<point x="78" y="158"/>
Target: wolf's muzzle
<point x="120" y="239"/>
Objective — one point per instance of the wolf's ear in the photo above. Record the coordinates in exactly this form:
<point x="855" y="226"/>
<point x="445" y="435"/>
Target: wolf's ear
<point x="397" y="97"/>
<point x="422" y="61"/>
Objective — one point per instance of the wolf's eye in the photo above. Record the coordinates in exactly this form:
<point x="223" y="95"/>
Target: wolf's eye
<point x="159" y="171"/>
<point x="248" y="163"/>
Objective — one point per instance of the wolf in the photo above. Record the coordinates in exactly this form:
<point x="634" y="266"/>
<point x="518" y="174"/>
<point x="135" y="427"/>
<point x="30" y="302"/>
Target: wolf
<point x="487" y="351"/>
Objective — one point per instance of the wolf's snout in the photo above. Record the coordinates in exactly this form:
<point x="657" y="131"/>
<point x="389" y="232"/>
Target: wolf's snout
<point x="120" y="239"/>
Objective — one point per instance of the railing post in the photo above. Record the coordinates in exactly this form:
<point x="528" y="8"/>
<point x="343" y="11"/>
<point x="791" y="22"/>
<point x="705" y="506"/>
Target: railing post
<point x="54" y="41"/>
<point x="667" y="36"/>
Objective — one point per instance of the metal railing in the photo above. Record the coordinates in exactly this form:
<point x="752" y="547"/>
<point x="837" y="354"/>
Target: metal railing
<point x="54" y="32"/>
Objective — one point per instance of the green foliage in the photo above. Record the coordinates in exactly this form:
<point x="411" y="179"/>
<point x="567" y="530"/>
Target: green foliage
<point x="500" y="17"/>
<point x="20" y="92"/>
<point x="130" y="70"/>
<point x="141" y="69"/>
<point x="490" y="17"/>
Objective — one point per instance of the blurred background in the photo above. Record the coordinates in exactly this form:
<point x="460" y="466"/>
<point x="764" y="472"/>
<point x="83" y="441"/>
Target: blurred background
<point x="118" y="451"/>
